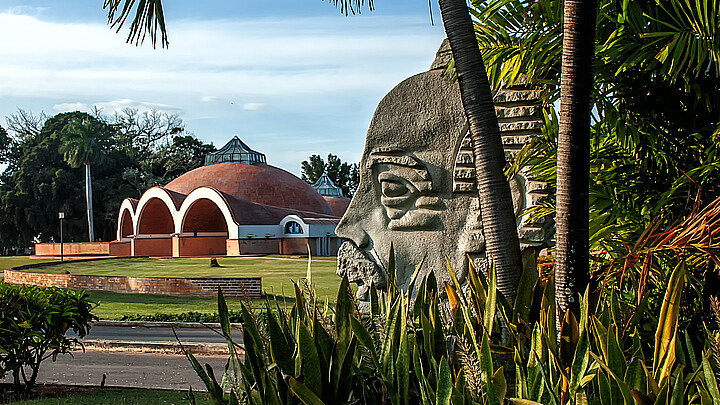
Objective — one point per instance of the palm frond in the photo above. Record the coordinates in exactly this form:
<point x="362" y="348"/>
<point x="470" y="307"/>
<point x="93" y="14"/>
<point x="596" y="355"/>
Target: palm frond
<point x="348" y="7"/>
<point x="149" y="19"/>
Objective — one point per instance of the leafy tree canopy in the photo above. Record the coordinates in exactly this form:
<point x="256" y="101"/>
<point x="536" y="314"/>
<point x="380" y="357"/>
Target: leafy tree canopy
<point x="139" y="151"/>
<point x="344" y="175"/>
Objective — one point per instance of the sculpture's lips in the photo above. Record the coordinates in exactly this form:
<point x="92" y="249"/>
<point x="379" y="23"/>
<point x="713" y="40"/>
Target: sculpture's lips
<point x="360" y="268"/>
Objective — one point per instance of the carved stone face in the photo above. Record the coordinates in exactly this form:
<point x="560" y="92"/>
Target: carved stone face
<point x="416" y="189"/>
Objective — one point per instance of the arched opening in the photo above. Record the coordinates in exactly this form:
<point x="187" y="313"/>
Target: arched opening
<point x="155" y="229"/>
<point x="204" y="230"/>
<point x="293" y="227"/>
<point x="126" y="226"/>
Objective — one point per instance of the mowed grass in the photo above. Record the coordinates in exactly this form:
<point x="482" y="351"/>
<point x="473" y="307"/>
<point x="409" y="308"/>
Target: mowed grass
<point x="113" y="306"/>
<point x="12" y="261"/>
<point x="120" y="396"/>
<point x="277" y="274"/>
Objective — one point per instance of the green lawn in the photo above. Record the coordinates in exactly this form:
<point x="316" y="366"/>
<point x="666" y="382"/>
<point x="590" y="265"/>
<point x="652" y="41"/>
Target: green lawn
<point x="277" y="275"/>
<point x="120" y="396"/>
<point x="114" y="306"/>
<point x="10" y="261"/>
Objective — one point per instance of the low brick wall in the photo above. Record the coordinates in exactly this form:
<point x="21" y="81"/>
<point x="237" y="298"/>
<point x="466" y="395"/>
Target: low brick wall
<point x="115" y="248"/>
<point x="235" y="287"/>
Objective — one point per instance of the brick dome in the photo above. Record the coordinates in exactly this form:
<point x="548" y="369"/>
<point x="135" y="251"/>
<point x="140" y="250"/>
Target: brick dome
<point x="258" y="183"/>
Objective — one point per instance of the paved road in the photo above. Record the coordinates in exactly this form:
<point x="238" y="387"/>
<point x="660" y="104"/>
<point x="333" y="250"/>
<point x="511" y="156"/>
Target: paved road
<point x="143" y="370"/>
<point x="165" y="335"/>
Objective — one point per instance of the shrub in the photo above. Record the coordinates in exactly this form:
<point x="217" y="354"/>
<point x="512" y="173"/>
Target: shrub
<point x="33" y="322"/>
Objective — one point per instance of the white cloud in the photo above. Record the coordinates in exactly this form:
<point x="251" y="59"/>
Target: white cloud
<point x="253" y="106"/>
<point x="311" y="70"/>
<point x="67" y="107"/>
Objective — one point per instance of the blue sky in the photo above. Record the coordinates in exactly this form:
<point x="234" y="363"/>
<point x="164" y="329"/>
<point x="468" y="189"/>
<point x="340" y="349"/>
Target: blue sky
<point x="291" y="77"/>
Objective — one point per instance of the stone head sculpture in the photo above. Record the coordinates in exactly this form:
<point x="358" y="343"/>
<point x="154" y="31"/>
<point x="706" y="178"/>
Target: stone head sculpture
<point x="417" y="189"/>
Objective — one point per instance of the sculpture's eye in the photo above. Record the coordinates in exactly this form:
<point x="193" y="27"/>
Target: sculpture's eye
<point x="393" y="188"/>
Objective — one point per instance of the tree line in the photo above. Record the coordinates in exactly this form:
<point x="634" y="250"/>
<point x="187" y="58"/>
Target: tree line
<point x="129" y="152"/>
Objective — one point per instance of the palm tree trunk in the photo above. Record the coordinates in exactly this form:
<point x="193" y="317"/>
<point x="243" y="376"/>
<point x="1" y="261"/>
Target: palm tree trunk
<point x="573" y="167"/>
<point x="496" y="206"/>
<point x="88" y="199"/>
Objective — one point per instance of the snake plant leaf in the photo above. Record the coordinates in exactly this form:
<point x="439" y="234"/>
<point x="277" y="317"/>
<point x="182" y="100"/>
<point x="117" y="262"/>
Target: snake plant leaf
<point x="641" y="399"/>
<point x="521" y="383"/>
<point x="425" y="390"/>
<point x="299" y="303"/>
<point x="310" y="362"/>
<point x="635" y="375"/>
<point x="344" y="379"/>
<point x="280" y="347"/>
<point x="416" y="273"/>
<point x="499" y="384"/>
<point x="211" y="385"/>
<point x="523" y="299"/>
<point x="390" y="345"/>
<point x="224" y="319"/>
<point x="233" y="398"/>
<point x="690" y="351"/>
<point x="615" y="356"/>
<point x="402" y="365"/>
<point x="308" y="276"/>
<point x="453" y="298"/>
<point x="324" y="345"/>
<point x="305" y="394"/>
<point x="454" y="279"/>
<point x="343" y="309"/>
<point x="374" y="305"/>
<point x="392" y="287"/>
<point x="664" y="354"/>
<point x="520" y="401"/>
<point x="705" y="398"/>
<point x="247" y="381"/>
<point x="214" y="388"/>
<point x="444" y="384"/>
<point x="623" y="388"/>
<point x="491" y="303"/>
<point x="548" y="386"/>
<point x="478" y="289"/>
<point x="710" y="379"/>
<point x="580" y="362"/>
<point x="676" y="396"/>
<point x="363" y="336"/>
<point x="569" y="336"/>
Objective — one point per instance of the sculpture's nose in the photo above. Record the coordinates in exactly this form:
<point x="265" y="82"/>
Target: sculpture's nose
<point x="351" y="229"/>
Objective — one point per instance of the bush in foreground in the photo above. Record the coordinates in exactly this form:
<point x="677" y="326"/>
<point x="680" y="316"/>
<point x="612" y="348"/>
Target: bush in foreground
<point x="33" y="322"/>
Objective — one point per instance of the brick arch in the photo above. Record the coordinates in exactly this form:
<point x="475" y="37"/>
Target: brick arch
<point x="155" y="218"/>
<point x="126" y="226"/>
<point x="204" y="228"/>
<point x="204" y="216"/>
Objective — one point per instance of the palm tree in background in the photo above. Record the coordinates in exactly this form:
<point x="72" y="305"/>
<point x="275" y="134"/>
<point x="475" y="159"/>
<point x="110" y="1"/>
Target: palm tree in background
<point x="80" y="147"/>
<point x="572" y="256"/>
<point x="496" y="207"/>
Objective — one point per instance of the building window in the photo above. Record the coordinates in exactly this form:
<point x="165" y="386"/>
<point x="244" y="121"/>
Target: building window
<point x="293" y="227"/>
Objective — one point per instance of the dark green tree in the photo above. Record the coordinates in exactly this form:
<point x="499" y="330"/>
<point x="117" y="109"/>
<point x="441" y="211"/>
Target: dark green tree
<point x="5" y="142"/>
<point x="344" y="175"/>
<point x="81" y="140"/>
<point x="38" y="183"/>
